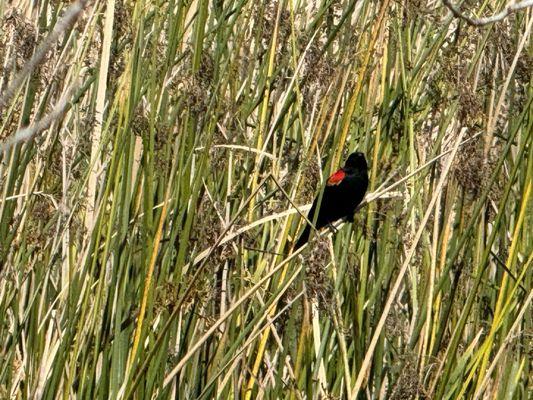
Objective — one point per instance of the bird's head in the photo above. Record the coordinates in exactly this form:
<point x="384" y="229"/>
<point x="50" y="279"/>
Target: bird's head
<point x="356" y="161"/>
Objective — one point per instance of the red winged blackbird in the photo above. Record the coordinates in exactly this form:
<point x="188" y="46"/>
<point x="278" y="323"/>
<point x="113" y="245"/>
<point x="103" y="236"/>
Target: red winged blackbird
<point x="344" y="191"/>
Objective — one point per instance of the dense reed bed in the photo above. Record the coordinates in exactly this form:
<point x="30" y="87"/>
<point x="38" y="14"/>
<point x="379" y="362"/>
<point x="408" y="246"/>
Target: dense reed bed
<point x="155" y="159"/>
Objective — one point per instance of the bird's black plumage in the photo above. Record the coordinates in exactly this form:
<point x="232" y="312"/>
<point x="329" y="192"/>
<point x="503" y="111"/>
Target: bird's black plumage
<point x="344" y="190"/>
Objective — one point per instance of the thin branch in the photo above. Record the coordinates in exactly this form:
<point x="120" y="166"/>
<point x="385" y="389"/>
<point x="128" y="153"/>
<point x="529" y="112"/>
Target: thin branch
<point x="29" y="132"/>
<point x="71" y="16"/>
<point x="510" y="9"/>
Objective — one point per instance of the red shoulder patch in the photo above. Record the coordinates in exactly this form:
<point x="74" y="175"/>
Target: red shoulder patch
<point x="336" y="178"/>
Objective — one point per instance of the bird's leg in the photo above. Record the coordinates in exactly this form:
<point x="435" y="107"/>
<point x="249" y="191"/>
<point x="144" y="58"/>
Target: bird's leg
<point x="332" y="228"/>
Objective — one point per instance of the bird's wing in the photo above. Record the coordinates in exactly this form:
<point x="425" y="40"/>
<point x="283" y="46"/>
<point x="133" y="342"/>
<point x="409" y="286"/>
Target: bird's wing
<point x="336" y="178"/>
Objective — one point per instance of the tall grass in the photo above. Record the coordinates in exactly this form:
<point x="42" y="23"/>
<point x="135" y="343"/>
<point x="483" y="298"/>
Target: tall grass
<point x="156" y="158"/>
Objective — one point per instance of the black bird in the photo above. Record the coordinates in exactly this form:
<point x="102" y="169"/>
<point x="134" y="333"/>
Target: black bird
<point x="344" y="190"/>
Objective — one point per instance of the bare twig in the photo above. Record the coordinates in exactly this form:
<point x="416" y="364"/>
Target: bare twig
<point x="508" y="10"/>
<point x="28" y="133"/>
<point x="70" y="17"/>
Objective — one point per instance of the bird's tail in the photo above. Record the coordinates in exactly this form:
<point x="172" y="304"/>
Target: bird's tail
<point x="304" y="237"/>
